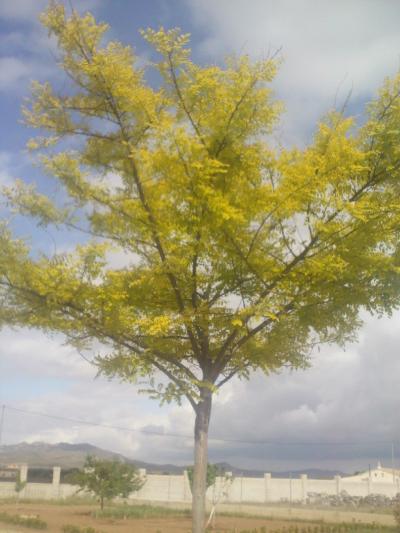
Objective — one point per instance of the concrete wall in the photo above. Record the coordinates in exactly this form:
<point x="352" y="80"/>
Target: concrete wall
<point x="176" y="488"/>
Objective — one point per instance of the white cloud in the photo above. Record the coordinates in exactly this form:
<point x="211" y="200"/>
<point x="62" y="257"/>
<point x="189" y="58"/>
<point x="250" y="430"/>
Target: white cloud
<point x="6" y="169"/>
<point x="118" y="259"/>
<point x="21" y="10"/>
<point x="31" y="354"/>
<point x="327" y="47"/>
<point x="16" y="74"/>
<point x="345" y="397"/>
<point x="13" y="72"/>
<point x="41" y="375"/>
<point x="98" y="402"/>
<point x="29" y="51"/>
<point x="28" y="10"/>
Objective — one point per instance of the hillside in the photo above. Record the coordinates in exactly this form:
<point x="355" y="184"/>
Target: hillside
<point x="66" y="455"/>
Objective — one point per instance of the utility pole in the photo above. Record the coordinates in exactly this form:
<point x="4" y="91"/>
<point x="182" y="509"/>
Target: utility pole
<point x="3" y="410"/>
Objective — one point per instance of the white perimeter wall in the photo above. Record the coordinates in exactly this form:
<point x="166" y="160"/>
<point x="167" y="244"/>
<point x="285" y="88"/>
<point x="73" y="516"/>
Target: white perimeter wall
<point x="175" y="488"/>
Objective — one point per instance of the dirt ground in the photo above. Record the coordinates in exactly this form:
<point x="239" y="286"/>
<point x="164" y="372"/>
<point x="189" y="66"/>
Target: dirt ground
<point x="57" y="516"/>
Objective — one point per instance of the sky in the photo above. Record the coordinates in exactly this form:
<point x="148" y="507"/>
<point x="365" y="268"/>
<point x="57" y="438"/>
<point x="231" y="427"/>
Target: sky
<point x="342" y="413"/>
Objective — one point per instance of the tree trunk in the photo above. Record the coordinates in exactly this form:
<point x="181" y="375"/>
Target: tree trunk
<point x="101" y="502"/>
<point x="199" y="488"/>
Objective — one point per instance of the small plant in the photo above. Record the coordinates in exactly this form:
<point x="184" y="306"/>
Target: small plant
<point x="213" y="471"/>
<point x="396" y="513"/>
<point x="32" y="522"/>
<point x="327" y="528"/>
<point x="18" y="487"/>
<point x="140" y="511"/>
<point x="69" y="528"/>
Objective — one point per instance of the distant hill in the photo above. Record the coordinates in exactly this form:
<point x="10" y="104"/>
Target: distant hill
<point x="66" y="455"/>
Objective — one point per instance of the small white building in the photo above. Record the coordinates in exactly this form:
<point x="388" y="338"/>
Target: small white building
<point x="379" y="474"/>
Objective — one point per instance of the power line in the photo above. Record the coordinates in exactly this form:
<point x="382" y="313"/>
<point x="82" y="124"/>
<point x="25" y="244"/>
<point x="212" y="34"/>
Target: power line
<point x="186" y="436"/>
<point x="98" y="424"/>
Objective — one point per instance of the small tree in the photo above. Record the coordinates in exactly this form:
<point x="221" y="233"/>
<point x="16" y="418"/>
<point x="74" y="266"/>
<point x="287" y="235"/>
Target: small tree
<point x="214" y="472"/>
<point x="18" y="486"/>
<point x="107" y="479"/>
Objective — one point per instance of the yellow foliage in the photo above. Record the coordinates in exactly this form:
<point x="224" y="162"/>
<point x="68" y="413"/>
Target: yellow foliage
<point x="241" y="256"/>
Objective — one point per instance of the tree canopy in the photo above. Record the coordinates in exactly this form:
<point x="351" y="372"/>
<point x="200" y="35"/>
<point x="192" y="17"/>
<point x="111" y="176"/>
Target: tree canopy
<point x="213" y="471"/>
<point x="107" y="479"/>
<point x="240" y="255"/>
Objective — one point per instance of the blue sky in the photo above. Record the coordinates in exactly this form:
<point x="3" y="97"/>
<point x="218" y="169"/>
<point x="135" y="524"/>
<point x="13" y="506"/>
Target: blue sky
<point x="328" y="49"/>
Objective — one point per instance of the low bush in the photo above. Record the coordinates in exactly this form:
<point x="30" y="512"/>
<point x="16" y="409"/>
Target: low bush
<point x="324" y="528"/>
<point x="27" y="521"/>
<point x="396" y="513"/>
<point x="328" y="528"/>
<point x="69" y="528"/>
<point x="140" y="511"/>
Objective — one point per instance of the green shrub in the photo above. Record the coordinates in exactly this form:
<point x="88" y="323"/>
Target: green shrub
<point x="396" y="513"/>
<point x="140" y="511"/>
<point x="329" y="528"/>
<point x="18" y="520"/>
<point x="69" y="528"/>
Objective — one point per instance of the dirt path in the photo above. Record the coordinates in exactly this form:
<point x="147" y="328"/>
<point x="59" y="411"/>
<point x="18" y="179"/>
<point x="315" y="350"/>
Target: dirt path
<point x="273" y="518"/>
<point x="57" y="516"/>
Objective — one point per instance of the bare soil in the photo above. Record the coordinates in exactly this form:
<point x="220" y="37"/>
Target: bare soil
<point x="57" y="516"/>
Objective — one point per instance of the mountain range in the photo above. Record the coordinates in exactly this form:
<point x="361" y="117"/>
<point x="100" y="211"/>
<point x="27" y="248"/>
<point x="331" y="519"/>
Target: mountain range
<point x="66" y="455"/>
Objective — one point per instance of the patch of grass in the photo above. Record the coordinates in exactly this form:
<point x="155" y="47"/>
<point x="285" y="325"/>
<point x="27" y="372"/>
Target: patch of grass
<point x="69" y="528"/>
<point x="20" y="520"/>
<point x="298" y="525"/>
<point x="327" y="528"/>
<point x="294" y="518"/>
<point x="378" y="509"/>
<point x="69" y="500"/>
<point x="141" y="511"/>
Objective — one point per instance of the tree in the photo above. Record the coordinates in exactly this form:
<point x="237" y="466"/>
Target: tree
<point x="107" y="479"/>
<point x="221" y="488"/>
<point x="240" y="256"/>
<point x="18" y="486"/>
<point x="211" y="475"/>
